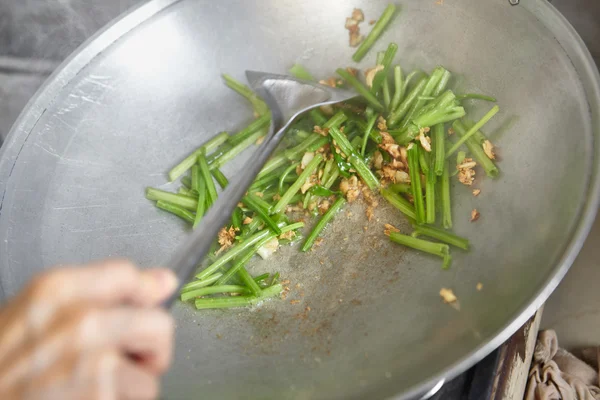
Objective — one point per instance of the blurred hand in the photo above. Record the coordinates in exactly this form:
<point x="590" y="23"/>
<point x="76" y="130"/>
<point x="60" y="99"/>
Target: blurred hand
<point x="87" y="333"/>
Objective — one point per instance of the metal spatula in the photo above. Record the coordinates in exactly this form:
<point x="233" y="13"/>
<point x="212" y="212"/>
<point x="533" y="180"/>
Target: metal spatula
<point x="287" y="98"/>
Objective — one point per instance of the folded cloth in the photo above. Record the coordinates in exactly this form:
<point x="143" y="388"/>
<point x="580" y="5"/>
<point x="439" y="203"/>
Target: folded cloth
<point x="556" y="374"/>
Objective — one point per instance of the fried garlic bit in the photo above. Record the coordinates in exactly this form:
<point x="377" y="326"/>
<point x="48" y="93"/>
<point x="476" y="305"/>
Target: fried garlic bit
<point x="488" y="149"/>
<point x="247" y="221"/>
<point x="479" y="286"/>
<point x="350" y="188"/>
<point x="448" y="296"/>
<point x="324" y="206"/>
<point x="289" y="235"/>
<point x="226" y="238"/>
<point x="332" y="82"/>
<point x="353" y="28"/>
<point x="310" y="182"/>
<point x="450" y="131"/>
<point x="321" y="131"/>
<point x="425" y="142"/>
<point x="466" y="173"/>
<point x="370" y="74"/>
<point x="475" y="215"/>
<point x="377" y="159"/>
<point x="382" y="126"/>
<point x="358" y="15"/>
<point x="389" y="229"/>
<point x="352" y="71"/>
<point x="476" y="192"/>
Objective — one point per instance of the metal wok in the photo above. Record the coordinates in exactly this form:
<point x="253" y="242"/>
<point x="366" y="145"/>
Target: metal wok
<point x="146" y="90"/>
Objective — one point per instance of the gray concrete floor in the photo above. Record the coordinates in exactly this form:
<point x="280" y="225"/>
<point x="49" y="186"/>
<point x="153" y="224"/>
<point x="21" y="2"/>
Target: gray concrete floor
<point x="49" y="30"/>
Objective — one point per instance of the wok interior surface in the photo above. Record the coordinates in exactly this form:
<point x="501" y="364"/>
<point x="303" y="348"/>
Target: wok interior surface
<point x="370" y="322"/>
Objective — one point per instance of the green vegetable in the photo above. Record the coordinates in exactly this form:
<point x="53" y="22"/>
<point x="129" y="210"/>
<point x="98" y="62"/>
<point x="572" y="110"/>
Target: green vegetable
<point x="476" y="96"/>
<point x="181" y="212"/>
<point x="220" y="177"/>
<point x="258" y="105"/>
<point x="477" y="151"/>
<point x="445" y="198"/>
<point x="360" y="88"/>
<point x="201" y="208"/>
<point x="381" y="76"/>
<point x="437" y="249"/>
<point x="214" y="290"/>
<point x="300" y="72"/>
<point x="238" y="301"/>
<point x="251" y="201"/>
<point x="190" y="160"/>
<point x="259" y="124"/>
<point x="398" y="88"/>
<point x="439" y="148"/>
<point x="415" y="181"/>
<point x="175" y="199"/>
<point x="328" y="216"/>
<point x="473" y="130"/>
<point x="377" y="30"/>
<point x="286" y="197"/>
<point x="442" y="236"/>
<point x="399" y="203"/>
<point x="211" y="189"/>
<point x="430" y="183"/>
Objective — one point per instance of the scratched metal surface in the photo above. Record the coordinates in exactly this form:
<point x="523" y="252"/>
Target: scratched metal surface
<point x="146" y="91"/>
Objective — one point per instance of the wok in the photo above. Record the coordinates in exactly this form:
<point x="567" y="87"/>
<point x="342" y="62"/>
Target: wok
<point x="144" y="92"/>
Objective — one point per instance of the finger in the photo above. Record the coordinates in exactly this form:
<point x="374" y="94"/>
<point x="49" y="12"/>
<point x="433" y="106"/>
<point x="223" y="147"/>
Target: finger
<point x="135" y="383"/>
<point x="144" y="333"/>
<point x="107" y="283"/>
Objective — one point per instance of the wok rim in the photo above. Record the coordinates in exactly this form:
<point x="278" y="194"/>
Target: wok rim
<point x="94" y="46"/>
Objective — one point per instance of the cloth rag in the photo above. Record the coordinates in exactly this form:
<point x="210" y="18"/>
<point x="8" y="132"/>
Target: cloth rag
<point x="556" y="374"/>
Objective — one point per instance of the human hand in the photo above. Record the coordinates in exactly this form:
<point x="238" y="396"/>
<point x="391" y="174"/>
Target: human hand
<point x="87" y="333"/>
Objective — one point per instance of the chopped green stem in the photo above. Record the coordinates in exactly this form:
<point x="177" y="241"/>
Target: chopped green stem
<point x="398" y="88"/>
<point x="195" y="177"/>
<point x="211" y="189"/>
<point x="415" y="181"/>
<point x="430" y="183"/>
<point x="201" y="208"/>
<point x="429" y="88"/>
<point x="399" y="203"/>
<point x="336" y="120"/>
<point x="260" y="201"/>
<point x="249" y="282"/>
<point x="322" y="191"/>
<point x="400" y="188"/>
<point x="431" y="118"/>
<point x="377" y="30"/>
<point x="479" y="136"/>
<point x="237" y="218"/>
<point x="445" y="198"/>
<point x="187" y="192"/>
<point x="397" y="114"/>
<point x="386" y="94"/>
<point x="186" y="180"/>
<point x="473" y="130"/>
<point x="294" y="153"/>
<point x="176" y="209"/>
<point x="409" y="79"/>
<point x="477" y="151"/>
<point x="190" y="160"/>
<point x="439" y="148"/>
<point x="437" y="249"/>
<point x="197" y="284"/>
<point x="328" y="216"/>
<point x="262" y="277"/>
<point x="267" y="179"/>
<point x="214" y="290"/>
<point x="442" y="236"/>
<point x="327" y="170"/>
<point x="382" y="75"/>
<point x="256" y="125"/>
<point x="238" y="301"/>
<point x="177" y="199"/>
<point x="241" y="248"/>
<point x="424" y="161"/>
<point x="441" y="86"/>
<point x="258" y="105"/>
<point x="220" y="177"/>
<point x="332" y="178"/>
<point x="360" y="88"/>
<point x="317" y="116"/>
<point x="285" y="175"/>
<point x="251" y="201"/>
<point x="300" y="72"/>
<point x="285" y="198"/>
<point x="476" y="97"/>
<point x="237" y="149"/>
<point x="355" y="160"/>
